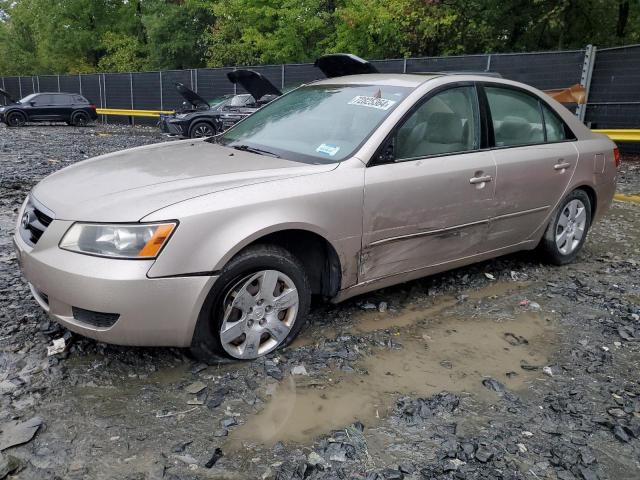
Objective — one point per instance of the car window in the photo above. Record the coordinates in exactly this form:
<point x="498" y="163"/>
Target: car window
<point x="554" y="126"/>
<point x="516" y="117"/>
<point x="60" y="99"/>
<point x="29" y="98"/>
<point x="43" y="100"/>
<point x="78" y="99"/>
<point x="446" y="123"/>
<point x="322" y="123"/>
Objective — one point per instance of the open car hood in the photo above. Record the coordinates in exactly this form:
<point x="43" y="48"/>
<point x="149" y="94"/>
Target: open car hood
<point x="190" y="96"/>
<point x="253" y="82"/>
<point x="6" y="95"/>
<point x="340" y="64"/>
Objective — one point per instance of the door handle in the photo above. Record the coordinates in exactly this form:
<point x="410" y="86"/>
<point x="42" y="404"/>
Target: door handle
<point x="483" y="179"/>
<point x="561" y="165"/>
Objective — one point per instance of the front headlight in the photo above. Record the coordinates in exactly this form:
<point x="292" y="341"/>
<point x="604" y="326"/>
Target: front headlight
<point x="142" y="241"/>
<point x="181" y="115"/>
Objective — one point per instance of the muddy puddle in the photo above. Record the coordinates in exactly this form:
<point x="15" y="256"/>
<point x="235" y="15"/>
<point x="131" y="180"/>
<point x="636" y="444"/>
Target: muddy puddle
<point x="441" y="348"/>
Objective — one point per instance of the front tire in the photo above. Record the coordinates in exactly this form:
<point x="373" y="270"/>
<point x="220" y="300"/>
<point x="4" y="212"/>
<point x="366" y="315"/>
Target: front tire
<point x="257" y="305"/>
<point x="567" y="230"/>
<point x="202" y="129"/>
<point x="16" y="119"/>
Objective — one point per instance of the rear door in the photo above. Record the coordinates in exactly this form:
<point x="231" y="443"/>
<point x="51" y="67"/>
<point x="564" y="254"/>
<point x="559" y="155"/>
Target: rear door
<point x="429" y="198"/>
<point x="62" y="107"/>
<point x="535" y="155"/>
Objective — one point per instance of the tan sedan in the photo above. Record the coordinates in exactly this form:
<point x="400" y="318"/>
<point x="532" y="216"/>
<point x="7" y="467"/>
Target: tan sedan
<point x="335" y="189"/>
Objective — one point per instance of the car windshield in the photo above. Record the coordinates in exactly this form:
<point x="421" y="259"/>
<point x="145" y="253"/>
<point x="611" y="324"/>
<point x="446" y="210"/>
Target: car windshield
<point x="219" y="101"/>
<point x="28" y="98"/>
<point x="240" y="100"/>
<point x="317" y="123"/>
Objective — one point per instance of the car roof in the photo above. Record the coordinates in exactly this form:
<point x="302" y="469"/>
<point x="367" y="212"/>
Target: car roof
<point x="395" y="79"/>
<point x="56" y="93"/>
<point x="411" y="80"/>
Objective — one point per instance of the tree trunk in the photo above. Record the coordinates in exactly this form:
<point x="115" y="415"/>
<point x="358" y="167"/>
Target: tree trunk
<point x="623" y="18"/>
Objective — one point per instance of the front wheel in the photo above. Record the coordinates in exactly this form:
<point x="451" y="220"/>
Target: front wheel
<point x="567" y="230"/>
<point x="202" y="129"/>
<point x="16" y="119"/>
<point x="258" y="304"/>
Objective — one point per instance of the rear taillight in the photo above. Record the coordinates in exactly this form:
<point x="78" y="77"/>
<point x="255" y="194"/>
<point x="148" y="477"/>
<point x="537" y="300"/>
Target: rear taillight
<point x="92" y="106"/>
<point x="616" y="156"/>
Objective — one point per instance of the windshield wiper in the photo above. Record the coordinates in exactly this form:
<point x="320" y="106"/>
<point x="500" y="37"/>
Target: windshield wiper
<point x="259" y="151"/>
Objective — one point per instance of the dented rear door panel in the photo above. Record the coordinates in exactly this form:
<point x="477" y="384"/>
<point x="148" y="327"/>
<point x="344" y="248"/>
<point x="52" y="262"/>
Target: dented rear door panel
<point x="531" y="181"/>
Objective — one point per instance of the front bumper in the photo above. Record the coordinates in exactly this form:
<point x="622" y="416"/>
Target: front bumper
<point x="172" y="126"/>
<point x="151" y="311"/>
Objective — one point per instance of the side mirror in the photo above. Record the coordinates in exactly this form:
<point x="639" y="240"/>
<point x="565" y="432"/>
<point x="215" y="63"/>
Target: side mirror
<point x="387" y="153"/>
<point x="32" y="103"/>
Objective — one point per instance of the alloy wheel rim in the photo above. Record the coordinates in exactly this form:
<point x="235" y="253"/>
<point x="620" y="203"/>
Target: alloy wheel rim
<point x="203" y="131"/>
<point x="259" y="312"/>
<point x="571" y="226"/>
<point x="15" y="120"/>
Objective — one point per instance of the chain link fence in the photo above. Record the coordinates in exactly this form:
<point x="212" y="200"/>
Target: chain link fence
<point x="611" y="76"/>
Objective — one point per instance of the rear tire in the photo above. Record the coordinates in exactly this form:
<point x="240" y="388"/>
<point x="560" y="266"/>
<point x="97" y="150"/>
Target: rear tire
<point x="567" y="229"/>
<point x="16" y="119"/>
<point x="257" y="305"/>
<point x="80" y="119"/>
<point x="202" y="129"/>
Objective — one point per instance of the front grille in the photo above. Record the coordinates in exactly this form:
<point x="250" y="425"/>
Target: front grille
<point x="97" y="319"/>
<point x="34" y="222"/>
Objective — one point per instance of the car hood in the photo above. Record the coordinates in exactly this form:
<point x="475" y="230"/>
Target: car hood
<point x="190" y="96"/>
<point x="128" y="185"/>
<point x="341" y="64"/>
<point x="7" y="95"/>
<point x="253" y="82"/>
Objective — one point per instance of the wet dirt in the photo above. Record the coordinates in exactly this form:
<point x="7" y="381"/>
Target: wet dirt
<point x="436" y="349"/>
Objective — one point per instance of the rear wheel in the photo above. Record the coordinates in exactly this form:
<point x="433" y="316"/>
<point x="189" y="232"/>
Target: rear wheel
<point x="202" y="129"/>
<point x="80" y="119"/>
<point x="16" y="119"/>
<point x="258" y="304"/>
<point x="567" y="230"/>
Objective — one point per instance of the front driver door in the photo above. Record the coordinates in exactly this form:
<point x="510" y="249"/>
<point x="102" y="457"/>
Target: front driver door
<point x="40" y="108"/>
<point x="430" y="201"/>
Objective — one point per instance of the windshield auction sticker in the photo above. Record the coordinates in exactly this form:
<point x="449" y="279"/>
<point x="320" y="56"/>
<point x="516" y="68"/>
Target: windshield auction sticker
<point x="330" y="150"/>
<point x="373" y="102"/>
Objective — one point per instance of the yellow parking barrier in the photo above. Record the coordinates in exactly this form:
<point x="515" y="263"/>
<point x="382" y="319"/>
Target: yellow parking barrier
<point x="621" y="135"/>
<point x="132" y="113"/>
<point x="621" y="197"/>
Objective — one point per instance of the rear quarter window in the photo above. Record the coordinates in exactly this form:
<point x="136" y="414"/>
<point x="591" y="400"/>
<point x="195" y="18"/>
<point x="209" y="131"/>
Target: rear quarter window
<point x="556" y="129"/>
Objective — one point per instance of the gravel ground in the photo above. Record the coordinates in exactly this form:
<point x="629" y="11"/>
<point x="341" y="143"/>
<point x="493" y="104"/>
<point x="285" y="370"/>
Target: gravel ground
<point x="509" y="369"/>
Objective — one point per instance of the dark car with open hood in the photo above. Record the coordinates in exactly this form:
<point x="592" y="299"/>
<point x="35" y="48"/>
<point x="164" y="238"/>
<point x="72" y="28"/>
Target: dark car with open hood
<point x="71" y="108"/>
<point x="200" y="118"/>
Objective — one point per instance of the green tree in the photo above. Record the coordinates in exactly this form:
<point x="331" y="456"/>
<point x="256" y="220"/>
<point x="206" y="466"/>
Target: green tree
<point x="250" y="32"/>
<point x="71" y="36"/>
<point x="175" y="32"/>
